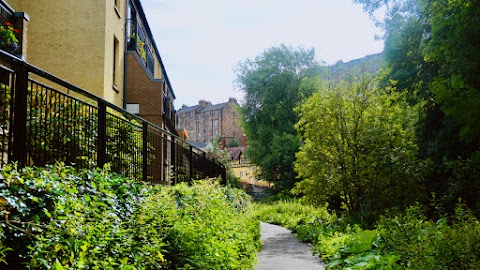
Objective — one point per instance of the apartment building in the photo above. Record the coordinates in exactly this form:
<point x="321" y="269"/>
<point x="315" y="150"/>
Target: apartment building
<point x="105" y="47"/>
<point x="207" y="122"/>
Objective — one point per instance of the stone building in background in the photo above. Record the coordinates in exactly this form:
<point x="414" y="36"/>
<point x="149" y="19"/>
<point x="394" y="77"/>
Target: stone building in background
<point x="207" y="122"/>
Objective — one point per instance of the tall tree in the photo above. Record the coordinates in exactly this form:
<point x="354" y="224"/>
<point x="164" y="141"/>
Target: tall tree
<point x="359" y="148"/>
<point x="432" y="48"/>
<point x="275" y="82"/>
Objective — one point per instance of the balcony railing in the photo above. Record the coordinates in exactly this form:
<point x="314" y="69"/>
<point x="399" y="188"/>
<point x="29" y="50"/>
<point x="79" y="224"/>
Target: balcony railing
<point x="6" y="13"/>
<point x="139" y="42"/>
<point x="9" y="32"/>
<point x="44" y="119"/>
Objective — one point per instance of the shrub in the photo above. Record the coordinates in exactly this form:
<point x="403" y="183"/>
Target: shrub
<point x="56" y="217"/>
<point x="289" y="214"/>
<point x="205" y="226"/>
<point x="424" y="244"/>
<point x="405" y="240"/>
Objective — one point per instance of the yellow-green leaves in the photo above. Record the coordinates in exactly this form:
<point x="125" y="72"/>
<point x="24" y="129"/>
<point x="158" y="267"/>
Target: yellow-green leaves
<point x="359" y="147"/>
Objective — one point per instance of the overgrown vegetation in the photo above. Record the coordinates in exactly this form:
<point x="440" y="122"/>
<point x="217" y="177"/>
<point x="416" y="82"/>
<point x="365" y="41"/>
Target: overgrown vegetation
<point x="373" y="146"/>
<point x="58" y="218"/>
<point x="359" y="151"/>
<point x="275" y="82"/>
<point x="409" y="240"/>
<point x="431" y="52"/>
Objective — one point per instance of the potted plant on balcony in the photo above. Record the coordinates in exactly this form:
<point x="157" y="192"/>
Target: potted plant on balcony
<point x="141" y="49"/>
<point x="8" y="40"/>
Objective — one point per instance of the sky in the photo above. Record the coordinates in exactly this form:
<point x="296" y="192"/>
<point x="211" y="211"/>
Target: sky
<point x="202" y="42"/>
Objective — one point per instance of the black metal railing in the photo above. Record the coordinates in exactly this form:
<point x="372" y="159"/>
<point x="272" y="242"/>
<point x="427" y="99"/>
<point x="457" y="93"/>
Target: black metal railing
<point x="6" y="13"/>
<point x="44" y="119"/>
<point x="138" y="41"/>
<point x="150" y="60"/>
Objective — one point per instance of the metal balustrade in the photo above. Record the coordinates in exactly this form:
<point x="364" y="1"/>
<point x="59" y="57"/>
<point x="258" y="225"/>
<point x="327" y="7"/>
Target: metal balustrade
<point x="44" y="119"/>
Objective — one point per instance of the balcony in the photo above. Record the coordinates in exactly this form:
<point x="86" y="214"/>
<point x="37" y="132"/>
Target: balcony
<point x="138" y="41"/>
<point x="11" y="30"/>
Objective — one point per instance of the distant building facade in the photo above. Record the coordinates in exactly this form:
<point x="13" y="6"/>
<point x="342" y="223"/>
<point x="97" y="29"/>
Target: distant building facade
<point x="246" y="172"/>
<point x="207" y="122"/>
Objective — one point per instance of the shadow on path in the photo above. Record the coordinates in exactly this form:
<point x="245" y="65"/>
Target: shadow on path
<point x="281" y="250"/>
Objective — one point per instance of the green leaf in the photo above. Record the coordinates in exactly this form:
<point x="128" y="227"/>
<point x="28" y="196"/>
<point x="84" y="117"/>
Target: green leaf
<point x="47" y="213"/>
<point x="57" y="265"/>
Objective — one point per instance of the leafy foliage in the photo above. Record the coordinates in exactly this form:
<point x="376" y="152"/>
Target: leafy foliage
<point x="359" y="148"/>
<point x="289" y="214"/>
<point x="206" y="226"/>
<point x="58" y="218"/>
<point x="407" y="240"/>
<point x="431" y="48"/>
<point x="423" y="244"/>
<point x="274" y="83"/>
<point x="221" y="155"/>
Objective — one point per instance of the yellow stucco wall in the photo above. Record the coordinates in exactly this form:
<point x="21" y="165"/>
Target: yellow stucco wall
<point x="74" y="40"/>
<point x="14" y="4"/>
<point x="247" y="173"/>
<point x="114" y="28"/>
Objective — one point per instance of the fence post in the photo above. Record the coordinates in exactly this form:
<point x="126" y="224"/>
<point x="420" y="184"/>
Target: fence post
<point x="205" y="175"/>
<point x="224" y="175"/>
<point x="191" y="163"/>
<point x="145" y="151"/>
<point x="19" y="147"/>
<point x="102" y="133"/>
<point x="174" y="159"/>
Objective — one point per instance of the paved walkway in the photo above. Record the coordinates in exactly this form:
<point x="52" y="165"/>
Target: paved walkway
<point x="281" y="250"/>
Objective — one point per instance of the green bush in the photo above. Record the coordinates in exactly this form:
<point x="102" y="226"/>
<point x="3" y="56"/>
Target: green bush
<point x="289" y="213"/>
<point x="424" y="244"/>
<point x="205" y="226"/>
<point x="406" y="240"/>
<point x="58" y="218"/>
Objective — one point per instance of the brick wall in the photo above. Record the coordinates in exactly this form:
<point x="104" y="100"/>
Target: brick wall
<point x="142" y="89"/>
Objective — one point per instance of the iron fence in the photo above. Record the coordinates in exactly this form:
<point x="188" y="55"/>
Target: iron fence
<point x="139" y="42"/>
<point x="6" y="13"/>
<point x="44" y="119"/>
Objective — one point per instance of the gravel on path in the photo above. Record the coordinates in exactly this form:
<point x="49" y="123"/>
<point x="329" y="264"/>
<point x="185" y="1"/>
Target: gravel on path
<point x="281" y="250"/>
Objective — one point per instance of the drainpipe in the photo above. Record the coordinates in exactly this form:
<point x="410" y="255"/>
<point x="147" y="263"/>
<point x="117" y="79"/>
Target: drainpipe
<point x="125" y="55"/>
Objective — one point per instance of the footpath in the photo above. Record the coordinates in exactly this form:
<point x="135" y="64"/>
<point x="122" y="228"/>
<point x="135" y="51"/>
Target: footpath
<point x="281" y="250"/>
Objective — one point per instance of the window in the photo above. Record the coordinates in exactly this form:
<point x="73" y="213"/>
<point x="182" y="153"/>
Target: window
<point x="191" y="114"/>
<point x="216" y="123"/>
<point x="117" y="7"/>
<point x="199" y="126"/>
<point x="216" y="131"/>
<point x="216" y="112"/>
<point x="116" y="76"/>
